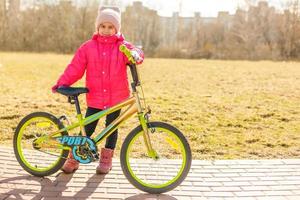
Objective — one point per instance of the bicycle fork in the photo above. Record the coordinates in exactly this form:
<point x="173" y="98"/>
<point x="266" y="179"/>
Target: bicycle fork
<point x="151" y="152"/>
<point x="144" y="119"/>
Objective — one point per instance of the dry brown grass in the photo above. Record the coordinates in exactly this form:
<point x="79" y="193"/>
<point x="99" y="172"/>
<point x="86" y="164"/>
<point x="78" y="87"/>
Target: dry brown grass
<point x="227" y="109"/>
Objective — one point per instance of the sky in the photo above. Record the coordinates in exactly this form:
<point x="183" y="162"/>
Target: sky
<point x="207" y="8"/>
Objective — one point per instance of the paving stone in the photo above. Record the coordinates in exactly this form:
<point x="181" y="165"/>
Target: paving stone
<point x="256" y="188"/>
<point x="218" y="179"/>
<point x="264" y="183"/>
<point x="226" y="189"/>
<point x="218" y="194"/>
<point x="237" y="183"/>
<point x="293" y="197"/>
<point x="278" y="193"/>
<point x="249" y="193"/>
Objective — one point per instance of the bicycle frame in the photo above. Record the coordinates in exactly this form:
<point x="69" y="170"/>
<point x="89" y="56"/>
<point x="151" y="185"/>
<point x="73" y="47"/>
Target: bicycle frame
<point x="134" y="106"/>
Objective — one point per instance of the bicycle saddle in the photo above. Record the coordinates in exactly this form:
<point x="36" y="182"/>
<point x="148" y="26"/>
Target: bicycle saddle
<point x="71" y="91"/>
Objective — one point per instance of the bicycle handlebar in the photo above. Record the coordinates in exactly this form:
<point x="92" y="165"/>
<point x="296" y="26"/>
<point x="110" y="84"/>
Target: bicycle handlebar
<point x="127" y="53"/>
<point x="132" y="66"/>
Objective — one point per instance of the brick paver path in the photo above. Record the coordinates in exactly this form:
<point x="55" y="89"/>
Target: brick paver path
<point x="220" y="179"/>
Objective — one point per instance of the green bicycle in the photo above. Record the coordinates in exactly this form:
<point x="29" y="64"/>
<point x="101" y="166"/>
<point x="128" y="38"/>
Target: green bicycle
<point x="155" y="156"/>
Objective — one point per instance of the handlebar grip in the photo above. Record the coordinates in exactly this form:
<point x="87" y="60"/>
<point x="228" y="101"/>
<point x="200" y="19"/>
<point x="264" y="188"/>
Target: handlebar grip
<point x="132" y="66"/>
<point x="127" y="53"/>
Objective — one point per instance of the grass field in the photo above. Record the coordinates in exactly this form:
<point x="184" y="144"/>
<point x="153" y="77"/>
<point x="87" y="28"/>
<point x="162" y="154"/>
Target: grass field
<point x="227" y="109"/>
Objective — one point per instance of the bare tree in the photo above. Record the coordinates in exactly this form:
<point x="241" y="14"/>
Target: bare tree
<point x="293" y="29"/>
<point x="3" y="21"/>
<point x="258" y="32"/>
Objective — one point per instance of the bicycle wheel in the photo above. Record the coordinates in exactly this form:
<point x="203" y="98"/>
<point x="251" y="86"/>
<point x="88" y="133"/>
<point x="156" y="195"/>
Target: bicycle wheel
<point x="30" y="128"/>
<point x="156" y="175"/>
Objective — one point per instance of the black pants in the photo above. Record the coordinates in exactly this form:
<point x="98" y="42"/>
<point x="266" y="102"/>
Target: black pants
<point x="90" y="128"/>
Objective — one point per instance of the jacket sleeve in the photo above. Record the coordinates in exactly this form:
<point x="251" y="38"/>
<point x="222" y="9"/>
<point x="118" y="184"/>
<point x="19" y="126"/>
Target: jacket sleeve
<point x="75" y="70"/>
<point x="133" y="48"/>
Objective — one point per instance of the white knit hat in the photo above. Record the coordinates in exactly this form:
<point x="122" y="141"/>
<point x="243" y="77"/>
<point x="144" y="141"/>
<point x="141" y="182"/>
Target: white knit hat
<point x="109" y="14"/>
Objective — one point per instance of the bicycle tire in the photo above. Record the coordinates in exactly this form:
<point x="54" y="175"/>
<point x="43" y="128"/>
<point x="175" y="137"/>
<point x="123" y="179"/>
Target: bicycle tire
<point x="20" y="150"/>
<point x="134" y="180"/>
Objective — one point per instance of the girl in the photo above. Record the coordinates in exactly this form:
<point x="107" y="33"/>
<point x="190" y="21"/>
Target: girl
<point x="106" y="78"/>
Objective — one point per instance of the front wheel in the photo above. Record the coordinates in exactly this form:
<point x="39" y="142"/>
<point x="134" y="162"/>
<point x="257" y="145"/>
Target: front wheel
<point x="162" y="172"/>
<point x="31" y="128"/>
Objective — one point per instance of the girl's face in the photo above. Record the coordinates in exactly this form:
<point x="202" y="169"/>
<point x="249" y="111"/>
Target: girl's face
<point x="107" y="29"/>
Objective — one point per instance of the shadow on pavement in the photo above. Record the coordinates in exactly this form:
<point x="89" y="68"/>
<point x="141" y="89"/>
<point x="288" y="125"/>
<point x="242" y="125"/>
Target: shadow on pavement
<point x="54" y="189"/>
<point x="49" y="189"/>
<point x="17" y="193"/>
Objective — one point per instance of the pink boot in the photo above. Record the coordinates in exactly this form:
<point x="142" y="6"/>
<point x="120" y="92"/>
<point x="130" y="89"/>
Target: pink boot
<point x="71" y="165"/>
<point x="105" y="163"/>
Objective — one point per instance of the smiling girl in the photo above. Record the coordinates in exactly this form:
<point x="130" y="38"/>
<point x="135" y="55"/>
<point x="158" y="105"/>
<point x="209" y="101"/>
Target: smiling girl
<point x="106" y="78"/>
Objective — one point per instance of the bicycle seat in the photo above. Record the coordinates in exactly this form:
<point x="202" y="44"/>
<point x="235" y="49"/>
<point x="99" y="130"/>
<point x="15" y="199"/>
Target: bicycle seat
<point x="72" y="91"/>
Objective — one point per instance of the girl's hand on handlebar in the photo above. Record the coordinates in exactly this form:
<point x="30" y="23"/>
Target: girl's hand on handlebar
<point x="135" y="55"/>
<point x="129" y="54"/>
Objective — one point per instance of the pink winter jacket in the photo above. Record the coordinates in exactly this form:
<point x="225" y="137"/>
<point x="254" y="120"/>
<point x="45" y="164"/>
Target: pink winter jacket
<point x="105" y="67"/>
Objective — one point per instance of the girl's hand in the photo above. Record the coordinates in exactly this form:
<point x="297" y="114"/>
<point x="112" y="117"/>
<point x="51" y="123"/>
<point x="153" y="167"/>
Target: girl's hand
<point x="136" y="56"/>
<point x="132" y="55"/>
<point x="54" y="88"/>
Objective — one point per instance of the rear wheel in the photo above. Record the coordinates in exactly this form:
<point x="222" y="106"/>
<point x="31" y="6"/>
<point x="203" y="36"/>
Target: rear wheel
<point x="32" y="127"/>
<point x="161" y="174"/>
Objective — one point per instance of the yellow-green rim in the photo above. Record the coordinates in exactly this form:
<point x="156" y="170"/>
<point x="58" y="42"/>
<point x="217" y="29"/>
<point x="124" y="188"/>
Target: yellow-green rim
<point x="20" y="151"/>
<point x="172" y="180"/>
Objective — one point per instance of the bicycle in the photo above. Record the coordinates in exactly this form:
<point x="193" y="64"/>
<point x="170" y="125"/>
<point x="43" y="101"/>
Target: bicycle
<point x="42" y="134"/>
